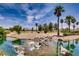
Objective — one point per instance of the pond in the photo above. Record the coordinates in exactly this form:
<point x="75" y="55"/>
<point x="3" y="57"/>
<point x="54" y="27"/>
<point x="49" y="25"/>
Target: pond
<point x="73" y="46"/>
<point x="9" y="50"/>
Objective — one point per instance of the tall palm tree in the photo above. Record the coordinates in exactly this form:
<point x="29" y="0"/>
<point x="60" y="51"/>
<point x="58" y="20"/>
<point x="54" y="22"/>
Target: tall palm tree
<point x="68" y="20"/>
<point x="73" y="21"/>
<point x="61" y="21"/>
<point x="58" y="13"/>
<point x="36" y="24"/>
<point x="77" y="23"/>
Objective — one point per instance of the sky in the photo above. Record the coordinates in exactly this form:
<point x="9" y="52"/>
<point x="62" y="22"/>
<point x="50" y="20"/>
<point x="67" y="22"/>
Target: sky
<point x="26" y="15"/>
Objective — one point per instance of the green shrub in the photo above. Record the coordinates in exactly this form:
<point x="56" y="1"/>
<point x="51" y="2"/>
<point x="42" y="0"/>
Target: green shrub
<point x="17" y="42"/>
<point x="66" y="32"/>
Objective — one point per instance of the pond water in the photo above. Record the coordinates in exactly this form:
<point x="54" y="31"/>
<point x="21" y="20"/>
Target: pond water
<point x="75" y="50"/>
<point x="74" y="46"/>
<point x="9" y="50"/>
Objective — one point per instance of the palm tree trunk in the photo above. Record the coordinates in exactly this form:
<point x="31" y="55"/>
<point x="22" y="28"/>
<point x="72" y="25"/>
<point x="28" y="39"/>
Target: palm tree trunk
<point x="36" y="28"/>
<point x="77" y="26"/>
<point x="58" y="27"/>
<point x="73" y="27"/>
<point x="69" y="27"/>
<point x="61" y="26"/>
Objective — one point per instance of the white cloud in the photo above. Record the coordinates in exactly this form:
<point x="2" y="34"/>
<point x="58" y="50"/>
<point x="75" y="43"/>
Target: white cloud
<point x="38" y="16"/>
<point x="30" y="19"/>
<point x="1" y="17"/>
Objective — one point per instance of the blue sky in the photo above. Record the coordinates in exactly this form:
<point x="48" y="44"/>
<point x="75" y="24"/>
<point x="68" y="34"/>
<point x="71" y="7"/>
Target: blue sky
<point x="27" y="15"/>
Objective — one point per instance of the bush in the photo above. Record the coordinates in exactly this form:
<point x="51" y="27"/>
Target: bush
<point x="66" y="32"/>
<point x="17" y="42"/>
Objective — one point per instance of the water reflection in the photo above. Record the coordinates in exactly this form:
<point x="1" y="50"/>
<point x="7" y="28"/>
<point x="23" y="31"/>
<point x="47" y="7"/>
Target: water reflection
<point x="76" y="41"/>
<point x="2" y="38"/>
<point x="72" y="46"/>
<point x="6" y="46"/>
<point x="8" y="49"/>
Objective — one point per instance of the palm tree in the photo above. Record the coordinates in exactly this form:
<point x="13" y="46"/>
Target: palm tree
<point x="32" y="29"/>
<point x="58" y="12"/>
<point x="36" y="24"/>
<point x="73" y="21"/>
<point x="68" y="20"/>
<point x="77" y="23"/>
<point x="73" y="27"/>
<point x="61" y="21"/>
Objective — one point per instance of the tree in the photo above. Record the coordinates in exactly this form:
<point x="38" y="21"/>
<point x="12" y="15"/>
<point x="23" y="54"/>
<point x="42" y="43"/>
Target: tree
<point x="32" y="29"/>
<point x="50" y="27"/>
<point x="73" y="27"/>
<point x="40" y="28"/>
<point x="36" y="24"/>
<point x="73" y="21"/>
<point x="55" y="26"/>
<point x="77" y="23"/>
<point x="45" y="28"/>
<point x="68" y="21"/>
<point x="61" y="21"/>
<point x="17" y="28"/>
<point x="58" y="13"/>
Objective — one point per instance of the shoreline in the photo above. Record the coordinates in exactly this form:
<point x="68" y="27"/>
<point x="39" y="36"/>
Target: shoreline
<point x="34" y="35"/>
